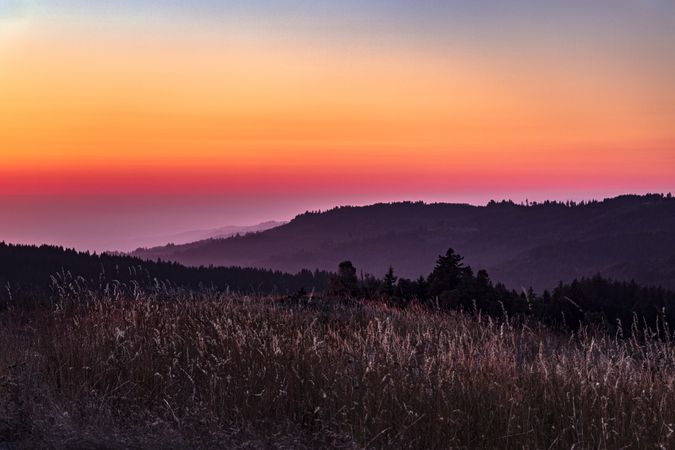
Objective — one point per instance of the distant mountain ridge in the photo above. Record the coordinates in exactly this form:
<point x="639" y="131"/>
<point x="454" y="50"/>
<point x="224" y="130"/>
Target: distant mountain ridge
<point x="539" y="244"/>
<point x="186" y="237"/>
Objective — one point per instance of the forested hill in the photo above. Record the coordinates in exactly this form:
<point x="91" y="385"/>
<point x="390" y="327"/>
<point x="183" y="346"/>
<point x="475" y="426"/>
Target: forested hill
<point x="27" y="270"/>
<point x="625" y="238"/>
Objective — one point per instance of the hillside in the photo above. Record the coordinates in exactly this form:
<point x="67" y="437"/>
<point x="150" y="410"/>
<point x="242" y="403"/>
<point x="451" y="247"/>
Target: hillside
<point x="627" y="237"/>
<point x="29" y="272"/>
<point x="207" y="371"/>
<point x="196" y="235"/>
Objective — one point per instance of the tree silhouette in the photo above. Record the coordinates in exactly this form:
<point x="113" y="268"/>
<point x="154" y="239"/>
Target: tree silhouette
<point x="26" y="273"/>
<point x="370" y="286"/>
<point x="29" y="276"/>
<point x="448" y="273"/>
<point x="389" y="283"/>
<point x="345" y="282"/>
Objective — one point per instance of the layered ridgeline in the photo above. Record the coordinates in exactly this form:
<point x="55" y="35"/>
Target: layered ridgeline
<point x="538" y="244"/>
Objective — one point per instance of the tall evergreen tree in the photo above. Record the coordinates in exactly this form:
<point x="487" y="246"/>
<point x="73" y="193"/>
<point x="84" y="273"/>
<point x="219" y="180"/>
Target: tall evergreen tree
<point x="345" y="282"/>
<point x="389" y="284"/>
<point x="448" y="273"/>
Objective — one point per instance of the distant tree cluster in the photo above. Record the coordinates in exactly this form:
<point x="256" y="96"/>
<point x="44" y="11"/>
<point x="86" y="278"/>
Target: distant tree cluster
<point x="451" y="285"/>
<point x="27" y="272"/>
<point x="28" y="275"/>
<point x="620" y="307"/>
<point x="504" y="203"/>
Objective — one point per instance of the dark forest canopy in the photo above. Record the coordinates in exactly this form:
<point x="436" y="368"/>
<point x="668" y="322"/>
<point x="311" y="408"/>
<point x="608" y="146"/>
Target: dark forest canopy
<point x="453" y="285"/>
<point x="29" y="272"/>
<point x="29" y="269"/>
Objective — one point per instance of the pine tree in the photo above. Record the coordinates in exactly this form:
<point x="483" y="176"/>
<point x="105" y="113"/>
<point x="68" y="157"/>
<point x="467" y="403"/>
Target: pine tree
<point x="389" y="285"/>
<point x="345" y="282"/>
<point x="447" y="274"/>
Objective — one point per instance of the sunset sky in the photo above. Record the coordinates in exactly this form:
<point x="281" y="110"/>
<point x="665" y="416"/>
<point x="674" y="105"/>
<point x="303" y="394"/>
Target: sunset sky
<point x="128" y="119"/>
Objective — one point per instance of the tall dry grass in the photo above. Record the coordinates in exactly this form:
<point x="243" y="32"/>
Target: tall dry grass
<point x="210" y="371"/>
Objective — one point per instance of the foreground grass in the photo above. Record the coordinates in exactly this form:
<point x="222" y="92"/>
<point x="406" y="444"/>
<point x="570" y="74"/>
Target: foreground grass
<point x="225" y="372"/>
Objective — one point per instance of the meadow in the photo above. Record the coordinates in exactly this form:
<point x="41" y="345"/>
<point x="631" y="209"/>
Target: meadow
<point x="181" y="369"/>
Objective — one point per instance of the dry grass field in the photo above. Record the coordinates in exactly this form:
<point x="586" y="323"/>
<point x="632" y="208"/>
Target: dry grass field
<point x="187" y="370"/>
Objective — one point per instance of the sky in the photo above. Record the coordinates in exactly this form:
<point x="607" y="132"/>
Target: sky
<point x="128" y="119"/>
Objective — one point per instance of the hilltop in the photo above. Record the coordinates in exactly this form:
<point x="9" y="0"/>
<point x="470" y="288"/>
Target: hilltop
<point x="629" y="237"/>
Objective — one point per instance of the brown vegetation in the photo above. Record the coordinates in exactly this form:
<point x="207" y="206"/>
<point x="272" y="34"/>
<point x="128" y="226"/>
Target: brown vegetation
<point x="215" y="371"/>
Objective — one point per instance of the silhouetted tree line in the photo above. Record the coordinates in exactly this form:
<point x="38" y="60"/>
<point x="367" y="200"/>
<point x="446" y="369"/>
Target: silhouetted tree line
<point x="26" y="274"/>
<point x="508" y="203"/>
<point x="620" y="307"/>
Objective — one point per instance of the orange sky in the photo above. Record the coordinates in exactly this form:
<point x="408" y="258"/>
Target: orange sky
<point x="254" y="105"/>
<point x="147" y="102"/>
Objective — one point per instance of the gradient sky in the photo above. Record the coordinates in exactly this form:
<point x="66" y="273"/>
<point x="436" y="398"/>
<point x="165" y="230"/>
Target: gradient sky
<point x="125" y="119"/>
